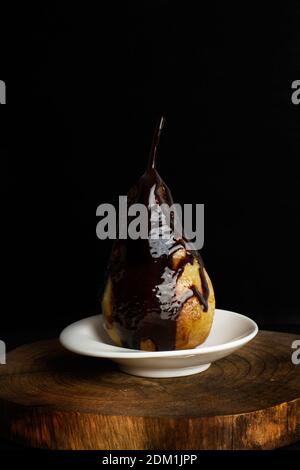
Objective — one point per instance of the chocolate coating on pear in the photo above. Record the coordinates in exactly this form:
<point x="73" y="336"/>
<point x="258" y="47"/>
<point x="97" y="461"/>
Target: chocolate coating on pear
<point x="141" y="303"/>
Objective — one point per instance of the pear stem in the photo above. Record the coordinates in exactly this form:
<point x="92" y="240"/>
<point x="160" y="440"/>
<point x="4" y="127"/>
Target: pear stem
<point x="155" y="143"/>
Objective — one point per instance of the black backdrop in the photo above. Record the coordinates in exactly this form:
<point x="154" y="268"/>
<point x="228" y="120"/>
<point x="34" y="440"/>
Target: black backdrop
<point x="84" y="91"/>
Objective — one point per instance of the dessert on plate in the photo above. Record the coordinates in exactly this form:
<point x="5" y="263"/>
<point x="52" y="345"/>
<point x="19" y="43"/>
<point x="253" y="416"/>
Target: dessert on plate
<point x="157" y="295"/>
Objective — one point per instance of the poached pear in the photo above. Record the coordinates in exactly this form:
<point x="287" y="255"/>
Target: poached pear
<point x="158" y="295"/>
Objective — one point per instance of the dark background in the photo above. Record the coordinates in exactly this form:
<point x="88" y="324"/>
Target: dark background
<point x="84" y="92"/>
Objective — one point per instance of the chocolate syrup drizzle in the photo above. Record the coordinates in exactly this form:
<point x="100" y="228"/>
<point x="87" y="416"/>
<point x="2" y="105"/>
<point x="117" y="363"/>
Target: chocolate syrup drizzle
<point x="144" y="301"/>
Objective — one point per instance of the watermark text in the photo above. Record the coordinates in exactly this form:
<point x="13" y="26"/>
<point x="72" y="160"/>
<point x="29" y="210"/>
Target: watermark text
<point x="2" y="353"/>
<point x="296" y="353"/>
<point x="2" y="92"/>
<point x="155" y="222"/>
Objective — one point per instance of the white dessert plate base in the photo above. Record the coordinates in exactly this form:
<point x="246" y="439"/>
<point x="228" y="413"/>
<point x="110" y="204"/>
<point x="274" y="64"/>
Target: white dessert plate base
<point x="230" y="332"/>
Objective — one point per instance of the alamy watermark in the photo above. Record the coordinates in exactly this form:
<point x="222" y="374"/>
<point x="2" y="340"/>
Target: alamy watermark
<point x="2" y="353"/>
<point x="296" y="353"/>
<point x="296" y="92"/>
<point x="155" y="222"/>
<point x="2" y="92"/>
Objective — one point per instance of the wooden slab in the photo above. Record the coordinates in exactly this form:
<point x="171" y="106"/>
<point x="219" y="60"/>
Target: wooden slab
<point x="54" y="399"/>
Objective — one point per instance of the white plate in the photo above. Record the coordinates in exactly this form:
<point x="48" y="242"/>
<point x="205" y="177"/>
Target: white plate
<point x="230" y="332"/>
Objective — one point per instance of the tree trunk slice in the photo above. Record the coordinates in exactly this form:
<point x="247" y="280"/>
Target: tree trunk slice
<point x="51" y="398"/>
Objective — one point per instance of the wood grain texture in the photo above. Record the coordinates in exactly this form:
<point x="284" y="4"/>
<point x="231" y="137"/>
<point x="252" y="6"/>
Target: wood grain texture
<point x="51" y="398"/>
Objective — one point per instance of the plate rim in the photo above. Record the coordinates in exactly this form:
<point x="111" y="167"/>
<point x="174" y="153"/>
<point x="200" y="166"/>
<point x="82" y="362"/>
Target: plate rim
<point x="135" y="354"/>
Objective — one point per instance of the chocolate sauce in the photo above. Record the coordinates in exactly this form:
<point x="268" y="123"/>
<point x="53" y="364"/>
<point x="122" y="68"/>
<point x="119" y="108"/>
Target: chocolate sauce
<point x="144" y="302"/>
